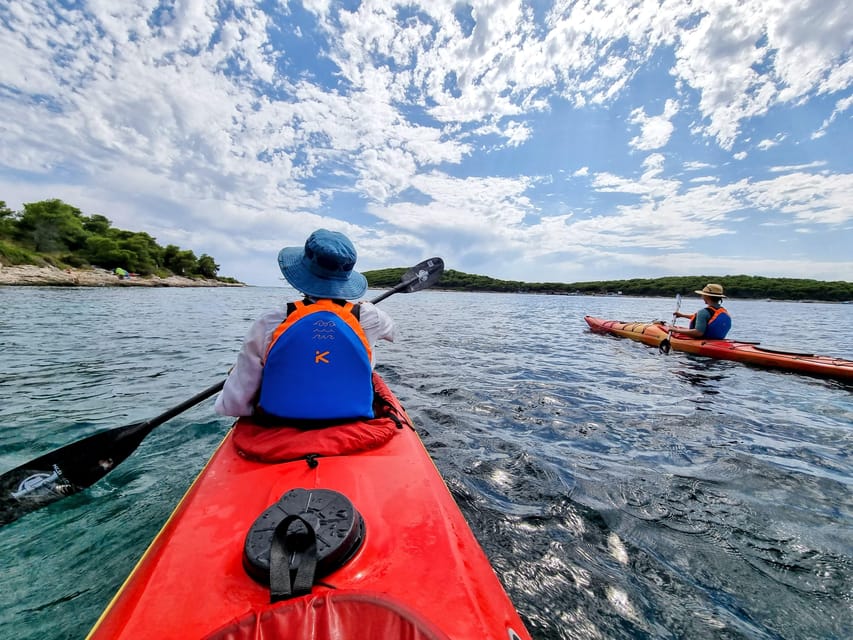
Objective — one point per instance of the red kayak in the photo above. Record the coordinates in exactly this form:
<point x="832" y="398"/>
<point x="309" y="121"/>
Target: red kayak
<point x="655" y="334"/>
<point x="346" y="531"/>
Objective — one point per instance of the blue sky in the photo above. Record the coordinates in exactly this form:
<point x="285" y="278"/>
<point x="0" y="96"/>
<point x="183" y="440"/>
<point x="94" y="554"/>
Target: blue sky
<point x="562" y="141"/>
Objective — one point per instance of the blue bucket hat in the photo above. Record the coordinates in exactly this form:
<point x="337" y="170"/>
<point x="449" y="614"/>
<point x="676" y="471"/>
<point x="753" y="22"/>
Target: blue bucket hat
<point x="323" y="268"/>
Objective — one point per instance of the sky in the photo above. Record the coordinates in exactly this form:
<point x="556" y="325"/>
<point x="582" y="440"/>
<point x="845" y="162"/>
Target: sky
<point x="564" y="141"/>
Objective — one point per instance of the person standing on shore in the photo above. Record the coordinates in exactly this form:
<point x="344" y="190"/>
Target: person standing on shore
<point x="312" y="361"/>
<point x="712" y="322"/>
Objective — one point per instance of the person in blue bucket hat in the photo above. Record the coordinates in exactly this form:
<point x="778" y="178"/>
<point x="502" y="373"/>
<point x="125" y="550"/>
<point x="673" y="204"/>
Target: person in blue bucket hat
<point x="312" y="361"/>
<point x="324" y="267"/>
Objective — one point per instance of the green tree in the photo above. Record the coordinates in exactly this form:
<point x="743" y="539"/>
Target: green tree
<point x="207" y="267"/>
<point x="169" y="255"/>
<point x="51" y="225"/>
<point x="145" y="253"/>
<point x="181" y="262"/>
<point x="7" y="221"/>
<point x="97" y="224"/>
<point x="106" y="252"/>
<point x="57" y="233"/>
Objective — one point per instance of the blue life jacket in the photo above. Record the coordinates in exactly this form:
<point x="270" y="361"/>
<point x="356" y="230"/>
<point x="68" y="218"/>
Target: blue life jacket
<point x="318" y="365"/>
<point x="718" y="324"/>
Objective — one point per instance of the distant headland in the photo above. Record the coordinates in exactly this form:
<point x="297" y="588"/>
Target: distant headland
<point x="735" y="286"/>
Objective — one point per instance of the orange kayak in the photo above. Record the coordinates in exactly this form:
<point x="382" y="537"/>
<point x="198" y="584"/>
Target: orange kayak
<point x="340" y="532"/>
<point x="654" y="334"/>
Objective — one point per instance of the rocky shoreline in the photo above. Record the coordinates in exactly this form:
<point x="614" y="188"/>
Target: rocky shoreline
<point x="32" y="275"/>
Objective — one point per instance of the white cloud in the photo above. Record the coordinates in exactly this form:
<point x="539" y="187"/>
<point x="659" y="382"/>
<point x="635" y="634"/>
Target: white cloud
<point x="797" y="167"/>
<point x="799" y="46"/>
<point x="807" y="197"/>
<point x="840" y="107"/>
<point x="485" y="206"/>
<point x="653" y="164"/>
<point x="209" y="119"/>
<point x="768" y="143"/>
<point x="696" y="166"/>
<point x="655" y="130"/>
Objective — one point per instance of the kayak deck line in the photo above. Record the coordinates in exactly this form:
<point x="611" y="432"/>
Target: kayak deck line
<point x="417" y="572"/>
<point x="787" y="353"/>
<point x="751" y="353"/>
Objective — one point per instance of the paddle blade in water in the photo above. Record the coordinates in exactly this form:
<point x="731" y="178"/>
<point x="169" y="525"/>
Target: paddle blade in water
<point x="66" y="471"/>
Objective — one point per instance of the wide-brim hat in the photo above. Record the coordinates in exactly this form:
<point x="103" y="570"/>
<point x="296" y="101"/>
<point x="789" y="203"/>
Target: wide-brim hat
<point x="712" y="290"/>
<point x="323" y="268"/>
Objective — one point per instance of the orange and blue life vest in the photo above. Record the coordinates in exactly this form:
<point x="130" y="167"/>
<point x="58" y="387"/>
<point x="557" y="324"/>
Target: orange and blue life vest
<point x="718" y="324"/>
<point x="318" y="365"/>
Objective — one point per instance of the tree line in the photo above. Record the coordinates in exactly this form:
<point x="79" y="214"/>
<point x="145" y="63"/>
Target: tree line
<point x="57" y="233"/>
<point x="738" y="286"/>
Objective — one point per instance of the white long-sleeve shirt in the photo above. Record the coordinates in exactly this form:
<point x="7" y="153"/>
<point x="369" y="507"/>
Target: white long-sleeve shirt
<point x="237" y="397"/>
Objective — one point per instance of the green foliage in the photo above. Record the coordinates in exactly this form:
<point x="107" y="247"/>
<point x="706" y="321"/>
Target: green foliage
<point x="106" y="252"/>
<point x="50" y="225"/>
<point x="178" y="261"/>
<point x="739" y="286"/>
<point x="73" y="260"/>
<point x="170" y="255"/>
<point x="57" y="233"/>
<point x="97" y="225"/>
<point x="144" y="253"/>
<point x="207" y="267"/>
<point x="384" y="277"/>
<point x="11" y="253"/>
<point x="7" y="221"/>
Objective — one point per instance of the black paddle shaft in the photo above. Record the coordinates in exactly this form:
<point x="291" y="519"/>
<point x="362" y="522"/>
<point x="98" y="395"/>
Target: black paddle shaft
<point x="79" y="465"/>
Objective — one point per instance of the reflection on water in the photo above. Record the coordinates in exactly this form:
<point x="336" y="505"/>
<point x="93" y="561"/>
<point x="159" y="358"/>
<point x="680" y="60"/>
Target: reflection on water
<point x="619" y="492"/>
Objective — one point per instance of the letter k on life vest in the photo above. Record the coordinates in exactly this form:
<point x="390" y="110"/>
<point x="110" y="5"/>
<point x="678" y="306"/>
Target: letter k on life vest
<point x="317" y="365"/>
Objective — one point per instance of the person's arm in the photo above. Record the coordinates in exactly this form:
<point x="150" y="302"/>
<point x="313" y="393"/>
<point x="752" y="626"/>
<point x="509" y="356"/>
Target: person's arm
<point x="376" y="324"/>
<point x="699" y="326"/>
<point x="237" y="397"/>
<point x="690" y="333"/>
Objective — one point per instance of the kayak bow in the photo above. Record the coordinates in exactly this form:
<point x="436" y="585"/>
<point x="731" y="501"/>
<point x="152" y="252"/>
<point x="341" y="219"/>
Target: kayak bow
<point x="327" y="533"/>
<point x="654" y="334"/>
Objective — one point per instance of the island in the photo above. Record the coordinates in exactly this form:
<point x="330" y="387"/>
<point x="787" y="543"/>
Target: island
<point x="53" y="243"/>
<point x="736" y="286"/>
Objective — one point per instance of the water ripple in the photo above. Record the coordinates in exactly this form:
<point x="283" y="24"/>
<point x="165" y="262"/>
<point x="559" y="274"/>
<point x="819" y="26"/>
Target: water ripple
<point x="618" y="492"/>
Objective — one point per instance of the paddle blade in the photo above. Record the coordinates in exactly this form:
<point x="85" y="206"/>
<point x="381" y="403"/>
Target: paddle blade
<point x="66" y="471"/>
<point x="423" y="275"/>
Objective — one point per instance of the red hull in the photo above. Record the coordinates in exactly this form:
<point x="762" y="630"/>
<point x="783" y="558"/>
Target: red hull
<point x="653" y="334"/>
<point x="418" y="554"/>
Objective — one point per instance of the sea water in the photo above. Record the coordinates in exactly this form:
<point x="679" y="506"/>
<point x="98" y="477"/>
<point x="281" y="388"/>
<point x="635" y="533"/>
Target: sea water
<point x="618" y="492"/>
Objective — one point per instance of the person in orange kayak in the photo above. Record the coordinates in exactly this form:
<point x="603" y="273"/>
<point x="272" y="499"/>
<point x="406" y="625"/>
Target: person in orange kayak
<point x="713" y="322"/>
<point x="313" y="360"/>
